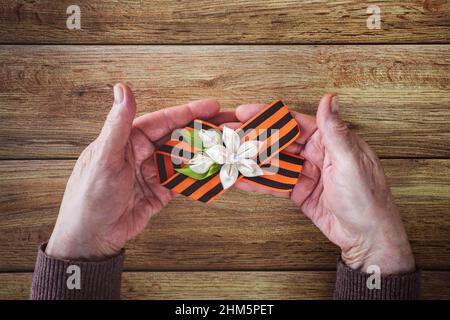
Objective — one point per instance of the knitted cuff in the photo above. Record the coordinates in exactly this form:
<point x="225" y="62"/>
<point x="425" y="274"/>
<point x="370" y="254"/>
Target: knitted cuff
<point x="352" y="285"/>
<point x="57" y="279"/>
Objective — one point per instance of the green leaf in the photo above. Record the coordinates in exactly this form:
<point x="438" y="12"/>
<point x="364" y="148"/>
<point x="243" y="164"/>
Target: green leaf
<point x="191" y="137"/>
<point x="197" y="176"/>
<point x="187" y="135"/>
<point x="213" y="169"/>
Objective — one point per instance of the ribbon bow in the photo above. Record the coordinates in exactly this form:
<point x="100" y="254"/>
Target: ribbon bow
<point x="273" y="126"/>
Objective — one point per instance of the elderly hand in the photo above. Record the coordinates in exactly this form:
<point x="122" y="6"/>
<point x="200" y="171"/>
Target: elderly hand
<point x="113" y="190"/>
<point x="344" y="191"/>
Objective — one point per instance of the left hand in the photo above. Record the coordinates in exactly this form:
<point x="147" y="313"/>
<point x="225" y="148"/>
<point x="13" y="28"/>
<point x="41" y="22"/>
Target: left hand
<point x="113" y="190"/>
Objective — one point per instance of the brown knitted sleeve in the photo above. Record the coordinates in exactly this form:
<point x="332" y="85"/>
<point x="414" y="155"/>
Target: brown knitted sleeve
<point x="56" y="279"/>
<point x="352" y="285"/>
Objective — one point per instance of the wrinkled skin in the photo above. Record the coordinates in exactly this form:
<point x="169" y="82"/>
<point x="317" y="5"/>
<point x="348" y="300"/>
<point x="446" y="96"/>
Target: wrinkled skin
<point x="343" y="190"/>
<point x="113" y="190"/>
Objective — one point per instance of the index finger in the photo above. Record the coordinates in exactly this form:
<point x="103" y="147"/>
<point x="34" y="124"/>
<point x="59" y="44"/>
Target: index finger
<point x="160" y="123"/>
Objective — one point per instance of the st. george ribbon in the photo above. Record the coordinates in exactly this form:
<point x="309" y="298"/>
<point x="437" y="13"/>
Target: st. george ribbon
<point x="273" y="126"/>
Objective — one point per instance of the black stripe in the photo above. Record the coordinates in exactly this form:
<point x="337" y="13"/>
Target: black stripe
<point x="204" y="125"/>
<point x="288" y="137"/>
<point x="291" y="159"/>
<point x="285" y="139"/>
<point x="176" y="165"/>
<point x="175" y="181"/>
<point x="277" y="125"/>
<point x="176" y="151"/>
<point x="281" y="122"/>
<point x="211" y="193"/>
<point x="262" y="117"/>
<point x="161" y="167"/>
<point x="271" y="183"/>
<point x="280" y="171"/>
<point x="197" y="184"/>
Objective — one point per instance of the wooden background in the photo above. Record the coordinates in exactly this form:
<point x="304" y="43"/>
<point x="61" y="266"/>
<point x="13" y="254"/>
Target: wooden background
<point x="56" y="89"/>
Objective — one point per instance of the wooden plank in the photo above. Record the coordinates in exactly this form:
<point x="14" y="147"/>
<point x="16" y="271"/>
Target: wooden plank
<point x="209" y="21"/>
<point x="264" y="233"/>
<point x="53" y="99"/>
<point x="228" y="285"/>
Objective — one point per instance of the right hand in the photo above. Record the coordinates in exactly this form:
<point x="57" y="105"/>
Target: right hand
<point x="344" y="191"/>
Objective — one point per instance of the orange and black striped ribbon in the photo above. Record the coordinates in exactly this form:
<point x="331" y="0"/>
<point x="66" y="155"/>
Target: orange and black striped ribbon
<point x="274" y="126"/>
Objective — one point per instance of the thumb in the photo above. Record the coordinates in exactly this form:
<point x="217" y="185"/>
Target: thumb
<point x="336" y="137"/>
<point x="117" y="127"/>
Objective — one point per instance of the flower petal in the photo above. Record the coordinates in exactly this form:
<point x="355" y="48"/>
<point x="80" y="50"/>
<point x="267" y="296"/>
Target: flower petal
<point x="249" y="168"/>
<point x="231" y="139"/>
<point x="228" y="175"/>
<point x="249" y="149"/>
<point x="210" y="137"/>
<point x="200" y="163"/>
<point x="218" y="153"/>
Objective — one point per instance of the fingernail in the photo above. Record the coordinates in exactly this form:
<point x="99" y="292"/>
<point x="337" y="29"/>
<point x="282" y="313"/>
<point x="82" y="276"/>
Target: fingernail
<point x="118" y="94"/>
<point x="334" y="105"/>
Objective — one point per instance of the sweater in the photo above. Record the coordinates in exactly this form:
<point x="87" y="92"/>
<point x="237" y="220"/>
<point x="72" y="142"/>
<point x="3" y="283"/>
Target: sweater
<point x="57" y="279"/>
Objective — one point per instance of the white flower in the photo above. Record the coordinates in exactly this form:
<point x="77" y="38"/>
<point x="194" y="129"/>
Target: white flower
<point x="234" y="156"/>
<point x="200" y="163"/>
<point x="209" y="137"/>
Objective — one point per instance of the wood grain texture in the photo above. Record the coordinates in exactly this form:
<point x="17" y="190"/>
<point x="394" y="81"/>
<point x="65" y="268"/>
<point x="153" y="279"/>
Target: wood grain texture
<point x="210" y="21"/>
<point x="228" y="285"/>
<point x="53" y="99"/>
<point x="260" y="233"/>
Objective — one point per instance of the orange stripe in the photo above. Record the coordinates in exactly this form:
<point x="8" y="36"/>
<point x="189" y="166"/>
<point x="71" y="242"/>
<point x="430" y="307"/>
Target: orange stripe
<point x="205" y="188"/>
<point x="169" y="166"/>
<point x="276" y="162"/>
<point x="209" y="124"/>
<point x="281" y="133"/>
<point x="210" y="200"/>
<point x="253" y="134"/>
<point x="170" y="179"/>
<point x="252" y="182"/>
<point x="292" y="123"/>
<point x="278" y="177"/>
<point x="292" y="154"/>
<point x="183" y="185"/>
<point x="265" y="125"/>
<point x="266" y="187"/>
<point x="258" y="114"/>
<point x="280" y="149"/>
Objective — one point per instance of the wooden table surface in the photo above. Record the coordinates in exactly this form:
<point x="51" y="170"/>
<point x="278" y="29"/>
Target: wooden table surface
<point x="56" y="89"/>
